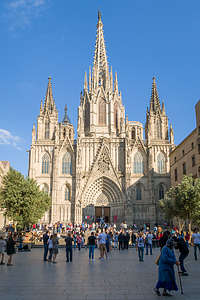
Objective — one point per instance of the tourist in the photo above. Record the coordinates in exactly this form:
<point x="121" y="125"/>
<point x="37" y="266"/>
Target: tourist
<point x="164" y="238"/>
<point x="79" y="241"/>
<point x="166" y="278"/>
<point x="115" y="237"/>
<point x="121" y="238"/>
<point x="140" y="246"/>
<point x="196" y="242"/>
<point x="102" y="244"/>
<point x="50" y="248"/>
<point x="68" y="242"/>
<point x="10" y="248"/>
<point x="148" y="242"/>
<point x="2" y="249"/>
<point x="91" y="244"/>
<point x="45" y="243"/>
<point x="181" y="245"/>
<point x="55" y="247"/>
<point x="126" y="240"/>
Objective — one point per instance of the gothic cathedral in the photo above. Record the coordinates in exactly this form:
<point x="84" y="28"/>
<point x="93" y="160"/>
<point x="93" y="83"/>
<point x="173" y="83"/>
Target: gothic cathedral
<point x="110" y="170"/>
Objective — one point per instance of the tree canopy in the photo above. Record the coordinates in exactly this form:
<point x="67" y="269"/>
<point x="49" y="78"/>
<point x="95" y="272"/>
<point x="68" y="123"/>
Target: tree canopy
<point x="183" y="201"/>
<point x="22" y="199"/>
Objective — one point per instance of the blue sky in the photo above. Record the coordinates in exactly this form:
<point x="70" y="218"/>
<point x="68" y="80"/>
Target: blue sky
<point x="144" y="38"/>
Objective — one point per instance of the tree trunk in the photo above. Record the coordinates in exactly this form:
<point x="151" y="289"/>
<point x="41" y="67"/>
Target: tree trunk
<point x="190" y="227"/>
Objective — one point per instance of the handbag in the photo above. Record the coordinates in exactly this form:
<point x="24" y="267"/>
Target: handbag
<point x="157" y="260"/>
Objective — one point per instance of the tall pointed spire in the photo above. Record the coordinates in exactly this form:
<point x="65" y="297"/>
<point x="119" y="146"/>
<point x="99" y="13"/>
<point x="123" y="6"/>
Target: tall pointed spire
<point x="155" y="102"/>
<point x="66" y="119"/>
<point x="116" y="83"/>
<point x="101" y="71"/>
<point x="85" y="82"/>
<point x="49" y="102"/>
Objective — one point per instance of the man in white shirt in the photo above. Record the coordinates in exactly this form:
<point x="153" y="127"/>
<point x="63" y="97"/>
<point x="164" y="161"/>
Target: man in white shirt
<point x="196" y="242"/>
<point x="102" y="244"/>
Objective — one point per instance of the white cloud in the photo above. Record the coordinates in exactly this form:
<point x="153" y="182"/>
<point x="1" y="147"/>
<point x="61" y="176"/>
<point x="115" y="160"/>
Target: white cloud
<point x="21" y="13"/>
<point x="6" y="138"/>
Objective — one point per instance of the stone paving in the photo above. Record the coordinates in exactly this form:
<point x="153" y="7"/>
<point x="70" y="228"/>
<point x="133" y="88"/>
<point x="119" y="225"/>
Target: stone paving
<point x="121" y="277"/>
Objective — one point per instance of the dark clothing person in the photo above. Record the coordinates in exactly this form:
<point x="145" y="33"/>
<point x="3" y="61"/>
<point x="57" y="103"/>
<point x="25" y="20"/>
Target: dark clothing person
<point x="164" y="238"/>
<point x="121" y="241"/>
<point x="45" y="243"/>
<point x="68" y="242"/>
<point x="91" y="244"/>
<point x="181" y="245"/>
<point x="126" y="240"/>
<point x="10" y="246"/>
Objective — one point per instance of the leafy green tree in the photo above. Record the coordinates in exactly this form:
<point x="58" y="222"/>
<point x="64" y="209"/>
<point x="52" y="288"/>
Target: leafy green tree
<point x="22" y="199"/>
<point x="183" y="201"/>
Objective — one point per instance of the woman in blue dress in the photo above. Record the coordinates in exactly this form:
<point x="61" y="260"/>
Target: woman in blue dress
<point x="166" y="277"/>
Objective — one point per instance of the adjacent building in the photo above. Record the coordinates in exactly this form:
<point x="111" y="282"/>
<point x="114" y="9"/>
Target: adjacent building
<point x="116" y="168"/>
<point x="4" y="168"/>
<point x="185" y="158"/>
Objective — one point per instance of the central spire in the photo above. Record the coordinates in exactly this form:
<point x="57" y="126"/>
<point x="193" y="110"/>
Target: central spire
<point x="100" y="69"/>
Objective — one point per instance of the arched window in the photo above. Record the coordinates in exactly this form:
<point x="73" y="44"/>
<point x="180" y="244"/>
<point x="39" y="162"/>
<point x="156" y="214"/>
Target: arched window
<point x="46" y="130"/>
<point x="161" y="192"/>
<point x="67" y="194"/>
<point x="67" y="164"/>
<point x="159" y="134"/>
<point x="138" y="192"/>
<point x="138" y="164"/>
<point x="133" y="134"/>
<point x="102" y="112"/>
<point x="87" y="115"/>
<point x="116" y="115"/>
<point x="161" y="163"/>
<point x="45" y="164"/>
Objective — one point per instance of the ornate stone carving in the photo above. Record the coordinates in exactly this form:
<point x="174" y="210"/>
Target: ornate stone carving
<point x="104" y="162"/>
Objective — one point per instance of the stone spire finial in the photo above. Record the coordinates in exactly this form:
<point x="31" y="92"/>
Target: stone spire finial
<point x="65" y="119"/>
<point x="41" y="108"/>
<point x="100" y="69"/>
<point x="49" y="102"/>
<point x="85" y="82"/>
<point x="163" y="108"/>
<point x="116" y="83"/>
<point x="154" y="102"/>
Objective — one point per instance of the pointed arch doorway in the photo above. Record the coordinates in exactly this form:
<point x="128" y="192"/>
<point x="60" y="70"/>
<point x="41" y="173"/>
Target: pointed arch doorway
<point x="101" y="199"/>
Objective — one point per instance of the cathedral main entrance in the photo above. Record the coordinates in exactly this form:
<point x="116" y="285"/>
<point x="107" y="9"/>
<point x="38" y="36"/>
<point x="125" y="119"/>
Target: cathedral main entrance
<point x="102" y="213"/>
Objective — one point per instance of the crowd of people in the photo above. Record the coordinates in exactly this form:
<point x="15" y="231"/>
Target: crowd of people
<point x="108" y="238"/>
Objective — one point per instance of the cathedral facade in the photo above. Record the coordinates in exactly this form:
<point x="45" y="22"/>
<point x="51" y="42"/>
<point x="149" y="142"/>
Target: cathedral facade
<point x="111" y="170"/>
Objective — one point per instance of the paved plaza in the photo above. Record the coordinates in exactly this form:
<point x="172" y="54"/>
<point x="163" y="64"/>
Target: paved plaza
<point x="121" y="277"/>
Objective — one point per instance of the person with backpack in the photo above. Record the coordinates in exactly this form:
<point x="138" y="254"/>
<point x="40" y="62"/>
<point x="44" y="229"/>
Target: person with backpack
<point x="68" y="242"/>
<point x="140" y="241"/>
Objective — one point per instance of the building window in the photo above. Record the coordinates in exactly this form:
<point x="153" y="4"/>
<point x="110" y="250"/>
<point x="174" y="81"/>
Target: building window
<point x="184" y="168"/>
<point x="138" y="192"/>
<point x="102" y="113"/>
<point x="67" y="164"/>
<point x="161" y="192"/>
<point x="138" y="164"/>
<point x="199" y="148"/>
<point x="133" y="134"/>
<point x="193" y="160"/>
<point x="175" y="159"/>
<point x="175" y="175"/>
<point x="45" y="164"/>
<point x="183" y="152"/>
<point x="192" y="145"/>
<point x="116" y="115"/>
<point x="46" y="130"/>
<point x="161" y="163"/>
<point x="67" y="194"/>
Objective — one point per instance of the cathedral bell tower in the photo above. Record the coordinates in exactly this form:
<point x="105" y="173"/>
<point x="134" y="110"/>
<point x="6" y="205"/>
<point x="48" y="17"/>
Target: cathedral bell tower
<point x="101" y="112"/>
<point x="48" y="117"/>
